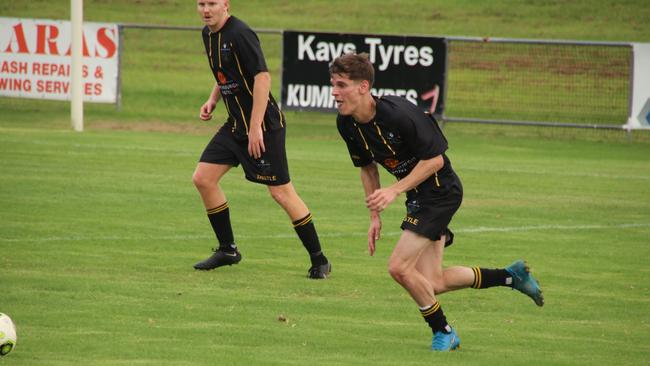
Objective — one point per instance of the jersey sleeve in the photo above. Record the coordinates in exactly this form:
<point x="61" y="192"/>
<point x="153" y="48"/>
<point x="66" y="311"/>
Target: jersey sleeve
<point x="358" y="156"/>
<point x="250" y="52"/>
<point x="423" y="134"/>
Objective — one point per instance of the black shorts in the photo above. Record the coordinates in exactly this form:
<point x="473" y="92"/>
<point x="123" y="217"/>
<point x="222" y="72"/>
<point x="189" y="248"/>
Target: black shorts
<point x="270" y="169"/>
<point x="429" y="209"/>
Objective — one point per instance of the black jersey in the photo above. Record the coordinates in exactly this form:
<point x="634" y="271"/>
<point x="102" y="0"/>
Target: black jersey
<point x="398" y="137"/>
<point x="235" y="57"/>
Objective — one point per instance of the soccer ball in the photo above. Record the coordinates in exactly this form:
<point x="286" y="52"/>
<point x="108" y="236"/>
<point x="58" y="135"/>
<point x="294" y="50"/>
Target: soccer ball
<point x="7" y="335"/>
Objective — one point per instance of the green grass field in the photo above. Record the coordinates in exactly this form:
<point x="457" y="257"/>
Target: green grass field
<point x="99" y="230"/>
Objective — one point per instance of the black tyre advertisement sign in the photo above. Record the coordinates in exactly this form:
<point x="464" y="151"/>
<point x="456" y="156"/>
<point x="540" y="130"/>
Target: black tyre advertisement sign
<point x="408" y="66"/>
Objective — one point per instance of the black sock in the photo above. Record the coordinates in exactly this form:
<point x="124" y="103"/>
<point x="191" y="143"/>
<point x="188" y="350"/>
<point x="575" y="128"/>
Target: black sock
<point x="484" y="278"/>
<point x="436" y="319"/>
<point x="307" y="233"/>
<point x="220" y="220"/>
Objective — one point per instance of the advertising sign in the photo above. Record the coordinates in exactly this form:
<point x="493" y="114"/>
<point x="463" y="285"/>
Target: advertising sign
<point x="412" y="67"/>
<point x="35" y="60"/>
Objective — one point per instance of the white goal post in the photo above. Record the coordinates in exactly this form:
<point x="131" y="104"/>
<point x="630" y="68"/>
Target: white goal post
<point x="76" y="65"/>
<point x="640" y="98"/>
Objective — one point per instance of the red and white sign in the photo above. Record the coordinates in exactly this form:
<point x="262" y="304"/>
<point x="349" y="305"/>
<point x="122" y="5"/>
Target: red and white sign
<point x="35" y="59"/>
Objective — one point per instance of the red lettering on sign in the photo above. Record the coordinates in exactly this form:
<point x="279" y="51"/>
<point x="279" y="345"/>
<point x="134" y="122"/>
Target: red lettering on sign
<point x="85" y="48"/>
<point x="43" y="39"/>
<point x="48" y="42"/>
<point x="16" y="84"/>
<point x="13" y="67"/>
<point x="52" y="86"/>
<point x="47" y="69"/>
<point x="106" y="42"/>
<point x="19" y="36"/>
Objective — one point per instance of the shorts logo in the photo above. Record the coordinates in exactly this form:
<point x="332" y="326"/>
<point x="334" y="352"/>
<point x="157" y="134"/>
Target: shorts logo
<point x="266" y="178"/>
<point x="412" y="207"/>
<point x="263" y="167"/>
<point x="411" y="220"/>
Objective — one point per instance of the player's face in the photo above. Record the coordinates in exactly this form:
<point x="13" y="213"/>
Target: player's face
<point x="347" y="93"/>
<point x="214" y="13"/>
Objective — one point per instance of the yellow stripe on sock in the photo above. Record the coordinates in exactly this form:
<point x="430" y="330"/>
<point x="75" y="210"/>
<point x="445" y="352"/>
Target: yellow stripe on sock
<point x="303" y="221"/>
<point x="477" y="278"/>
<point x="431" y="310"/>
<point x="217" y="209"/>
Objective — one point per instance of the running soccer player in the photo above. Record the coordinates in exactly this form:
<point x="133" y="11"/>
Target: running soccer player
<point x="408" y="143"/>
<point x="253" y="136"/>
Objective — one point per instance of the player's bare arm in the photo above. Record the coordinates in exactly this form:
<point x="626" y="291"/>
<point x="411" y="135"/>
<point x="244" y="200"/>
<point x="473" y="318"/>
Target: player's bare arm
<point x="382" y="197"/>
<point x="208" y="107"/>
<point x="261" y="89"/>
<point x="370" y="182"/>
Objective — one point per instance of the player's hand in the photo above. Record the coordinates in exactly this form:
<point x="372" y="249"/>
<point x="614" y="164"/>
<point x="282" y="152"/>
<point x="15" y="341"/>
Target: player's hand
<point x="256" y="142"/>
<point x="206" y="110"/>
<point x="374" y="232"/>
<point x="381" y="198"/>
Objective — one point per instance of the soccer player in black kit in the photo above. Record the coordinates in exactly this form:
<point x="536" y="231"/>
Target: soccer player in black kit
<point x="408" y="143"/>
<point x="253" y="136"/>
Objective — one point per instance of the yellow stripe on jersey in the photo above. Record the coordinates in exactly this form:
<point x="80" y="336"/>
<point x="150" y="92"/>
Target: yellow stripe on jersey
<point x="364" y="140"/>
<point x="219" y="46"/>
<point x="243" y="116"/>
<point x="279" y="114"/>
<point x="242" y="75"/>
<point x="383" y="139"/>
<point x="210" y="45"/>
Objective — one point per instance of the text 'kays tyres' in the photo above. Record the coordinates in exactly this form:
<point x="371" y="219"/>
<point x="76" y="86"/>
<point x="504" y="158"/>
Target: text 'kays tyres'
<point x="413" y="67"/>
<point x="380" y="54"/>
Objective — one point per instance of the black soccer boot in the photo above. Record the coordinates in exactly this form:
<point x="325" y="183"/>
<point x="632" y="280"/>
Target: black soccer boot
<point x="320" y="272"/>
<point x="219" y="258"/>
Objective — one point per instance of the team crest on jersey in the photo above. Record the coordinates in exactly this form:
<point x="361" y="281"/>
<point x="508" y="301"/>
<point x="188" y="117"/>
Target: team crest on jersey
<point x="393" y="139"/>
<point x="226" y="54"/>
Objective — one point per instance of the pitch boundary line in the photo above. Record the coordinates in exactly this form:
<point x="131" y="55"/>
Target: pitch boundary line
<point x="471" y="230"/>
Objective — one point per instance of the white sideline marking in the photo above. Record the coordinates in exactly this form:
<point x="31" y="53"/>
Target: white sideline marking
<point x="470" y="230"/>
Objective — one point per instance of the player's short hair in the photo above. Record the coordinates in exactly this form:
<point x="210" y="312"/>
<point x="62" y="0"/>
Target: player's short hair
<point x="356" y="66"/>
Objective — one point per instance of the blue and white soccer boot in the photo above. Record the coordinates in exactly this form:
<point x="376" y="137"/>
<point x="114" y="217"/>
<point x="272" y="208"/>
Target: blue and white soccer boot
<point x="524" y="281"/>
<point x="445" y="342"/>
